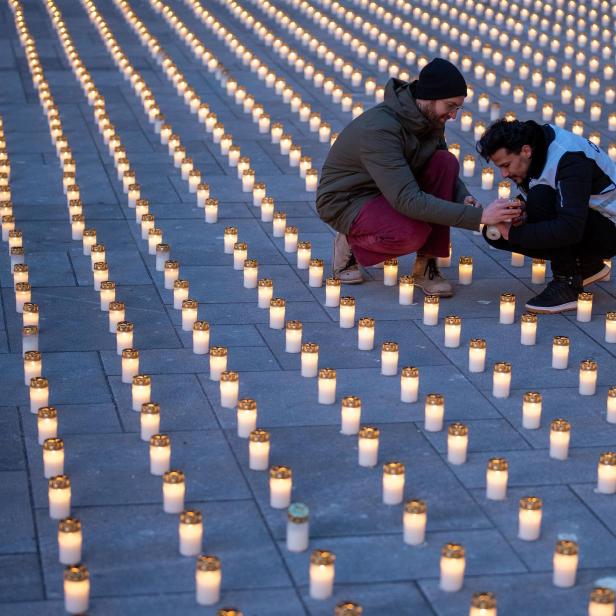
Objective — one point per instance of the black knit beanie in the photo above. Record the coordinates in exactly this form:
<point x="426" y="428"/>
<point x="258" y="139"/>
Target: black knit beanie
<point x="439" y="79"/>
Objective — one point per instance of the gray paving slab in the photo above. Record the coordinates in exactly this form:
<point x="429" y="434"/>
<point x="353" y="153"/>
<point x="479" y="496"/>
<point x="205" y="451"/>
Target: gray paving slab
<point x="17" y="535"/>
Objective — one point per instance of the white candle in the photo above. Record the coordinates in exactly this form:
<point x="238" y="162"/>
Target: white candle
<point x="389" y="358"/>
<point x="160" y="454"/>
<point x="501" y="379"/>
<point x="208" y="577"/>
<point x="141" y="390"/>
<point x="531" y="410"/>
<point x="280" y="484"/>
<point x="279" y="224"/>
<point x="309" y="359"/>
<point x="203" y="193"/>
<point x="517" y="259"/>
<point x="468" y="165"/>
<point x="529" y="518"/>
<point x="560" y="435"/>
<point x="277" y="313"/>
<point x="315" y="274"/>
<point x="528" y="329"/>
<point x="393" y="483"/>
<point x="409" y="384"/>
<point x="611" y="405"/>
<point x="304" y="250"/>
<point x="229" y="239"/>
<point x="265" y="292"/>
<point x="23" y="294"/>
<point x="174" y="490"/>
<point x="538" y="271"/>
<point x="430" y="315"/>
<point x="30" y="316"/>
<point x="610" y="327"/>
<point x="347" y="312"/>
<point x="327" y="386"/>
<point x="390" y="272"/>
<point x="149" y="420"/>
<point x="606" y="473"/>
<point x="290" y="239"/>
<point x="171" y="273"/>
<point x="180" y="293"/>
<point x="267" y="209"/>
<point x="477" y="355"/>
<point x="565" y="563"/>
<point x="325" y="131"/>
<point x="434" y="412"/>
<point x="107" y="294"/>
<point x="350" y="415"/>
<point x="483" y="604"/>
<point x="452" y="566"/>
<point x="201" y="337"/>
<point x="47" y="423"/>
<point x="53" y="457"/>
<point x="76" y="589"/>
<point x="33" y="366"/>
<point x="601" y="602"/>
<point x="29" y="340"/>
<point x="414" y="522"/>
<point x="497" y="476"/>
<point x="332" y="292"/>
<point x="124" y="336"/>
<point x="584" y="307"/>
<point x="465" y="270"/>
<point x="246" y="417"/>
<point x="218" y="362"/>
<point x="211" y="211"/>
<point x="507" y="308"/>
<point x="240" y="254"/>
<point x="487" y="178"/>
<point x="293" y="338"/>
<point x="457" y="443"/>
<point x="368" y="446"/>
<point x="560" y="352"/>
<point x="406" y="289"/>
<point x="312" y="180"/>
<point x="453" y="329"/>
<point x="39" y="394"/>
<point x="298" y="527"/>
<point x="258" y="450"/>
<point x="588" y="377"/>
<point x="59" y="495"/>
<point x="190" y="531"/>
<point x="229" y="389"/>
<point x="70" y="541"/>
<point x="130" y="364"/>
<point x="322" y="574"/>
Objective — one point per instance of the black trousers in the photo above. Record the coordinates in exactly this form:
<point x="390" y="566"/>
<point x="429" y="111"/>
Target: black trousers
<point x="598" y="241"/>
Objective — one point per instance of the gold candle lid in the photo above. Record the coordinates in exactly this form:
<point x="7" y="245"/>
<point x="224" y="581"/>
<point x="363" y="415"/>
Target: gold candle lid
<point x="560" y="425"/>
<point x="229" y="376"/>
<point x="38" y="382"/>
<point x="47" y="412"/>
<point x="348" y="608"/>
<point x="150" y="408"/>
<point x="191" y="516"/>
<point x="599" y="594"/>
<point x="229" y="611"/>
<point x="30" y="330"/>
<point x="265" y="282"/>
<point x="352" y="402"/>
<point x="173" y="476"/>
<point x="97" y="248"/>
<point x="567" y="547"/>
<point x="585" y="296"/>
<point x="130" y="354"/>
<point x="347" y="301"/>
<point x="507" y="297"/>
<point x="59" y="482"/>
<point x="250" y="263"/>
<point x="119" y="306"/>
<point x="608" y="458"/>
<point x="201" y="326"/>
<point x="498" y="464"/>
<point x="297" y="325"/>
<point x="483" y="600"/>
<point x="366" y="322"/>
<point x="391" y="261"/>
<point x="190" y="304"/>
<point x="533" y="397"/>
<point x="280" y="215"/>
<point x="291" y="230"/>
<point x="53" y="444"/>
<point x="230" y="231"/>
<point x="466" y="260"/>
<point x="306" y="245"/>
<point x="133" y="187"/>
<point x="163" y="247"/>
<point x="453" y="319"/>
<point x="218" y="351"/>
<point x="20" y="268"/>
<point x="247" y="404"/>
<point x="259" y="436"/>
<point x="322" y="558"/>
<point x="610" y="316"/>
<point x="588" y="365"/>
<point x="15" y="233"/>
<point x="240" y="246"/>
<point x="32" y="356"/>
<point x="404" y="280"/>
<point x="327" y="373"/>
<point x="410" y="372"/>
<point x="390" y="347"/>
<point x="333" y="282"/>
<point x="31" y="308"/>
<point x="478" y="343"/>
<point x="457" y="429"/>
<point x="22" y="287"/>
<point x="76" y="573"/>
<point x="171" y="264"/>
<point x="160" y="440"/>
<point x="277" y="302"/>
<point x="267" y="201"/>
<point x="538" y="261"/>
<point x="17" y="251"/>
<point x="435" y="399"/>
<point x="69" y="525"/>
<point x="452" y="550"/>
<point x="207" y="562"/>
<point x="560" y="341"/>
<point x="147" y="218"/>
<point x="108" y="285"/>
<point x="180" y="284"/>
<point x="100" y="266"/>
<point x="502" y="367"/>
<point x="141" y="203"/>
<point x="369" y="432"/>
<point x="78" y="218"/>
<point x="611" y="392"/>
<point x="415" y="506"/>
<point x="280" y="472"/>
<point x="310" y="347"/>
<point x="531" y="503"/>
<point x="393" y="468"/>
<point x="142" y="380"/>
<point x="431" y="299"/>
<point x="125" y="326"/>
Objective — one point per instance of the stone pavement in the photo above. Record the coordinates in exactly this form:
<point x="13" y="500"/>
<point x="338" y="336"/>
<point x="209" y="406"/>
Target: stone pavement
<point x="130" y="543"/>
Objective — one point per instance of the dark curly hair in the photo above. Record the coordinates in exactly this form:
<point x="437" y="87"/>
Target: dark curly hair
<point x="509" y="135"/>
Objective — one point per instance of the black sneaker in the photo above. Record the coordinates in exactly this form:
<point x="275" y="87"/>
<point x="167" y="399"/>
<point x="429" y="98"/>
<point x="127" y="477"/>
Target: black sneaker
<point x="593" y="270"/>
<point x="560" y="295"/>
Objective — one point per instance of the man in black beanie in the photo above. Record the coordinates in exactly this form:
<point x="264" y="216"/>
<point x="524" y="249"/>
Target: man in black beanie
<point x="389" y="186"/>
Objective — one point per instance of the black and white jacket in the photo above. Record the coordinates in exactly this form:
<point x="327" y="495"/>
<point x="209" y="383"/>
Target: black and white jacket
<point x="582" y="175"/>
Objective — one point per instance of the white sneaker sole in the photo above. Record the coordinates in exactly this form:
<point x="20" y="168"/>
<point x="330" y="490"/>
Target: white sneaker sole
<point x="552" y="309"/>
<point x="439" y="293"/>
<point x="600" y="275"/>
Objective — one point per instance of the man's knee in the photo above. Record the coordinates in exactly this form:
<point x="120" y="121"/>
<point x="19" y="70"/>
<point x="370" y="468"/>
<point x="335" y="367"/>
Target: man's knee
<point x="443" y="162"/>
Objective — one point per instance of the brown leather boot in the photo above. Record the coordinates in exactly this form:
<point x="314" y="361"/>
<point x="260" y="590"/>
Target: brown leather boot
<point x="428" y="277"/>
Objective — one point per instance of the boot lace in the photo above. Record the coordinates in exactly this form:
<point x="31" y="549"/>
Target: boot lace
<point x="432" y="269"/>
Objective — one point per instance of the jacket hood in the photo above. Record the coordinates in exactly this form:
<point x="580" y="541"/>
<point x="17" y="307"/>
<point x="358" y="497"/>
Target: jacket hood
<point x="399" y="98"/>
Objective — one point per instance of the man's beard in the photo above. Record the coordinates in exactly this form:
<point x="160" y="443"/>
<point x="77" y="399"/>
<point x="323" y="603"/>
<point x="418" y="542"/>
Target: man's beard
<point x="435" y="121"/>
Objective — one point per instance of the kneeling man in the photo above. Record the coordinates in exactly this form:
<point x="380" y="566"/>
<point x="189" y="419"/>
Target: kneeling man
<point x="389" y="187"/>
<point x="569" y="185"/>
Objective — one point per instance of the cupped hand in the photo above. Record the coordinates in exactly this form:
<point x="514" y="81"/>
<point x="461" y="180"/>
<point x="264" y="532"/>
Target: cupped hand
<point x="501" y="210"/>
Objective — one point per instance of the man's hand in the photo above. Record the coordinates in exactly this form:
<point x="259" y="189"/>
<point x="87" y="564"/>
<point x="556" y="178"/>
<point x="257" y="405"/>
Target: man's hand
<point x="501" y="210"/>
<point x="504" y="228"/>
<point x="470" y="200"/>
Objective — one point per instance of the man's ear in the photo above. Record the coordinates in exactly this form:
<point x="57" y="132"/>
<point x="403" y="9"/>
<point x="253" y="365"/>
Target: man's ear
<point x="527" y="151"/>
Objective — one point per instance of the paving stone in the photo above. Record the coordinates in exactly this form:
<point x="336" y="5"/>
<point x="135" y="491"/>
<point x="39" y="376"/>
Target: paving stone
<point x="17" y="533"/>
<point x="11" y="448"/>
<point x="21" y="578"/>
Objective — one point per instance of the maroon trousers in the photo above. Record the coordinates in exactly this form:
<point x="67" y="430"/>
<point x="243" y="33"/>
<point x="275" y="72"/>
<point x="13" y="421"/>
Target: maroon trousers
<point x="380" y="232"/>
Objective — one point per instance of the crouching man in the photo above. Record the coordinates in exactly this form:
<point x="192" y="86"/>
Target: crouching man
<point x="569" y="185"/>
<point x="389" y="187"/>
